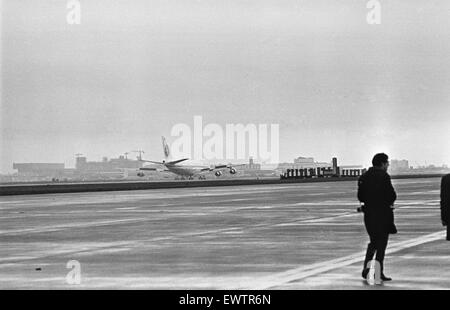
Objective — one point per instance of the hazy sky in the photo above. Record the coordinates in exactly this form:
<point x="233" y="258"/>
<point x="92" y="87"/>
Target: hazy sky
<point x="133" y="69"/>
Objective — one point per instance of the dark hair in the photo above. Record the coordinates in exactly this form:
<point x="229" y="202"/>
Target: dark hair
<point x="379" y="159"/>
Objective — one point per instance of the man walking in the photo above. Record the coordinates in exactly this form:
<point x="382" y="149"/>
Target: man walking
<point x="445" y="203"/>
<point x="376" y="192"/>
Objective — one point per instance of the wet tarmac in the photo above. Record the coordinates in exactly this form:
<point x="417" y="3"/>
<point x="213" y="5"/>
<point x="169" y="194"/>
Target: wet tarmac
<point x="284" y="236"/>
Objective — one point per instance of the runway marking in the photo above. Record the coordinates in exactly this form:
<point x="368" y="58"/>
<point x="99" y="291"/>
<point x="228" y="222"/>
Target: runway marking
<point x="84" y="248"/>
<point x="63" y="227"/>
<point x="320" y="220"/>
<point x="296" y="274"/>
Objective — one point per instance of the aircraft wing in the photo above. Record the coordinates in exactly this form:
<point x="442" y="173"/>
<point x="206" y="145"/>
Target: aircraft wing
<point x="227" y="166"/>
<point x="176" y="161"/>
<point x="151" y="161"/>
<point x="220" y="167"/>
<point x="164" y="163"/>
<point x="238" y="165"/>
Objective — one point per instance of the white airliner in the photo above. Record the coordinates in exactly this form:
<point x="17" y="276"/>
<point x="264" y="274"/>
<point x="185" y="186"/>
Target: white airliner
<point x="184" y="171"/>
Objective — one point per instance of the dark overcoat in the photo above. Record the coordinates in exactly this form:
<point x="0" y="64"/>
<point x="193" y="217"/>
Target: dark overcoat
<point x="445" y="202"/>
<point x="376" y="192"/>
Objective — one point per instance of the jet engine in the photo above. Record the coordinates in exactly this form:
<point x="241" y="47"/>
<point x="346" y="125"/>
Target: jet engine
<point x="218" y="173"/>
<point x="140" y="174"/>
<point x="232" y="170"/>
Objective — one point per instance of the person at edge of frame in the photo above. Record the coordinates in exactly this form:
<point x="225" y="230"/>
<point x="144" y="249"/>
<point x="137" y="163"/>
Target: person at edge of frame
<point x="445" y="203"/>
<point x="376" y="193"/>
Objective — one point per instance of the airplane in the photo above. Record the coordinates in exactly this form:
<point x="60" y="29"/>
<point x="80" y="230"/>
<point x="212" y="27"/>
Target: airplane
<point x="183" y="171"/>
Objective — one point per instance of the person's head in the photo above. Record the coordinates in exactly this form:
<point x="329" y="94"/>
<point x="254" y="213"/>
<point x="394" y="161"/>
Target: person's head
<point x="381" y="160"/>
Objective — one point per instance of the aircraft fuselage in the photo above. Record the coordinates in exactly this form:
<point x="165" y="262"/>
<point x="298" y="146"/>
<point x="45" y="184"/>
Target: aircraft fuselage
<point x="188" y="171"/>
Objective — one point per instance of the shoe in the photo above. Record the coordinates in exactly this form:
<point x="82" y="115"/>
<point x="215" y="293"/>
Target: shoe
<point x="384" y="278"/>
<point x="365" y="272"/>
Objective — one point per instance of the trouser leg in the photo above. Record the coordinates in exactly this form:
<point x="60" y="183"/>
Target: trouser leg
<point x="381" y="245"/>
<point x="370" y="252"/>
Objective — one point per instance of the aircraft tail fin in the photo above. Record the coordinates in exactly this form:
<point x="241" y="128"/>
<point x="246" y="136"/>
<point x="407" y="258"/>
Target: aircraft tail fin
<point x="165" y="148"/>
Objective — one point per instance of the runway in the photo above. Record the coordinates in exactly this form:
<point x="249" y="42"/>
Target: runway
<point x="281" y="236"/>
